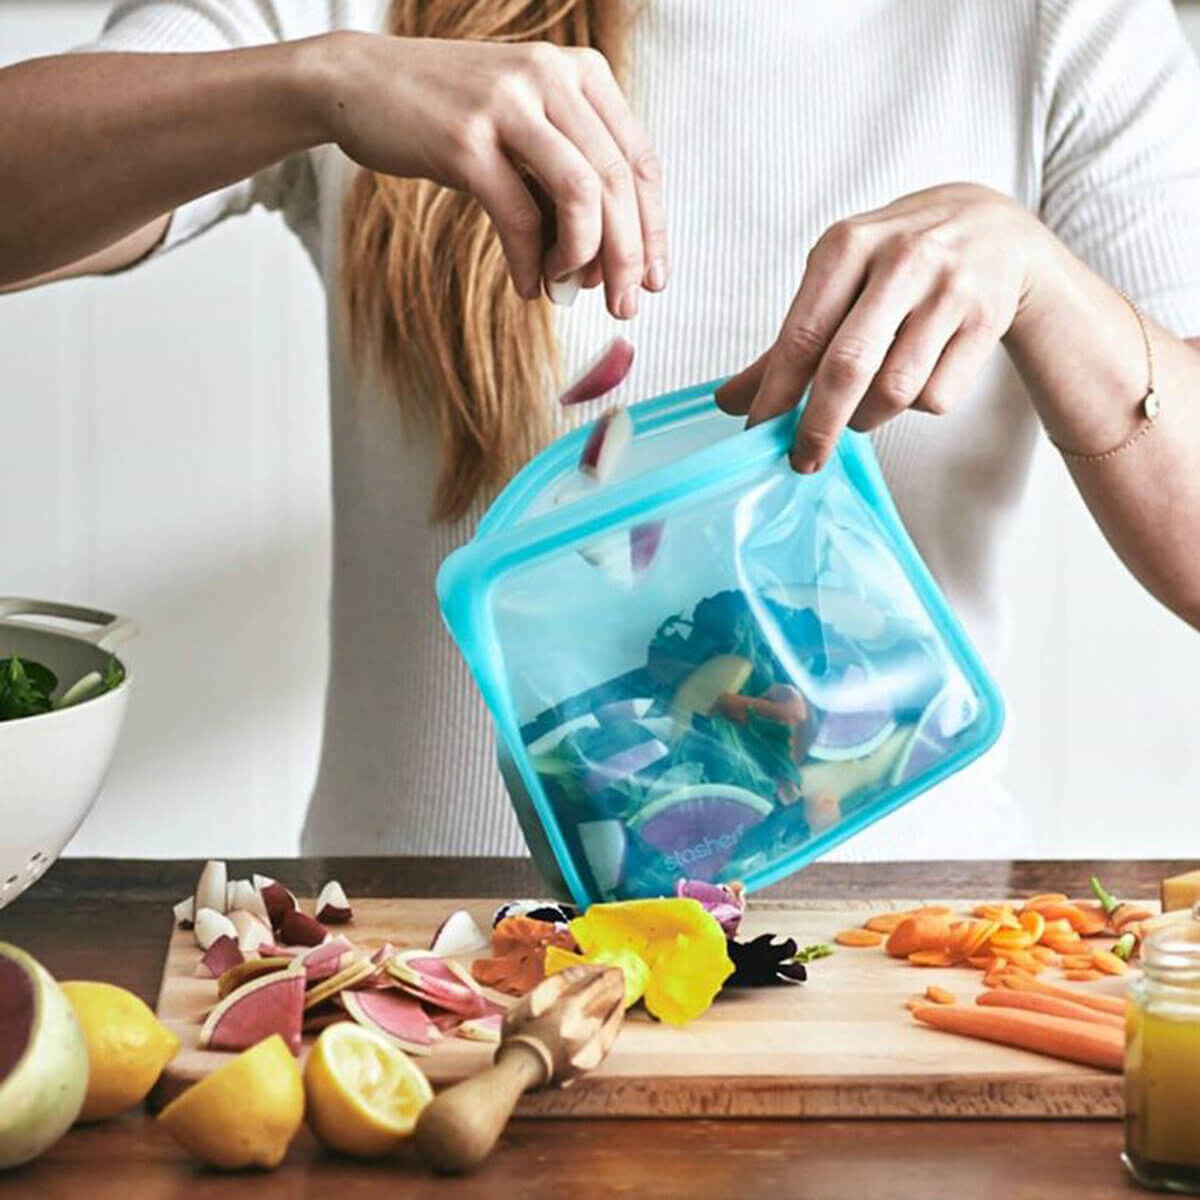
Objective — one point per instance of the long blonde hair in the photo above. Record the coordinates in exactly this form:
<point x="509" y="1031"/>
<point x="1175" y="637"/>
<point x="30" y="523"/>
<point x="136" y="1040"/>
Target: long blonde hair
<point x="426" y="294"/>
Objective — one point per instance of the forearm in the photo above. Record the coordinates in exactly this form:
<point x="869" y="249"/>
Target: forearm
<point x="1080" y="351"/>
<point x="96" y="146"/>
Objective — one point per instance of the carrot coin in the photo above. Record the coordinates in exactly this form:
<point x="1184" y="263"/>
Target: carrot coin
<point x="1109" y="963"/>
<point x="1082" y="976"/>
<point x="939" y="995"/>
<point x="1034" y="924"/>
<point x="885" y="922"/>
<point x="859" y="937"/>
<point x="930" y="958"/>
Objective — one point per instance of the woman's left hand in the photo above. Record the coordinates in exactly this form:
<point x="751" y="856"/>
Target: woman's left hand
<point x="898" y="309"/>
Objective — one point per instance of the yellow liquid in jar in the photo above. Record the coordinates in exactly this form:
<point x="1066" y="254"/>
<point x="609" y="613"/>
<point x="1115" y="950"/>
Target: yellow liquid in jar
<point x="1162" y="1094"/>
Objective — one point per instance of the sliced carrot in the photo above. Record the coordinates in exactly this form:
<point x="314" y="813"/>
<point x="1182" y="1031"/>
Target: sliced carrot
<point x="939" y="995"/>
<point x="1085" y="1042"/>
<point x="884" y="922"/>
<point x="933" y="910"/>
<point x="1045" y="898"/>
<point x="924" y="931"/>
<point x="1056" y="925"/>
<point x="1034" y="924"/>
<point x="1076" y="962"/>
<point x="982" y="962"/>
<point x="931" y="958"/>
<point x="1011" y="939"/>
<point x="1109" y="963"/>
<point x="1052" y="1006"/>
<point x="994" y="978"/>
<point x="1051" y="958"/>
<point x="1083" y="976"/>
<point x="1021" y="981"/>
<point x="1129" y="914"/>
<point x="1090" y="920"/>
<point x="1063" y="945"/>
<point x="980" y="933"/>
<point x="858" y="937"/>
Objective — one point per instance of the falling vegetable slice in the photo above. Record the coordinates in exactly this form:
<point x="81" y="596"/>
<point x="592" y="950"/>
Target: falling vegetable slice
<point x="606" y="371"/>
<point x="272" y="1004"/>
<point x="607" y="443"/>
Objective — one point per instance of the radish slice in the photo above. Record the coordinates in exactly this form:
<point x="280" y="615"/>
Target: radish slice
<point x="220" y="956"/>
<point x="623" y="710"/>
<point x="610" y="438"/>
<point x="644" y="541"/>
<point x="604" y="846"/>
<point x="278" y="902"/>
<point x="185" y="912"/>
<point x="396" y="1017"/>
<point x="273" y="950"/>
<point x="430" y="978"/>
<point x="332" y="907"/>
<point x="211" y="925"/>
<point x="271" y="1004"/>
<point x="252" y="930"/>
<point x="602" y="374"/>
<point x="325" y="960"/>
<point x="210" y="887"/>
<point x="563" y="291"/>
<point x="458" y="934"/>
<point x="299" y="929"/>
<point x="624" y="765"/>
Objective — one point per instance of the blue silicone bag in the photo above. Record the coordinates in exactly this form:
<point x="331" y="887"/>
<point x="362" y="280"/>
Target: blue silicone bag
<point x="709" y="667"/>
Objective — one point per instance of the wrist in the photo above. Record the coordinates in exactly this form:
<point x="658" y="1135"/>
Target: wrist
<point x="319" y="68"/>
<point x="1046" y="279"/>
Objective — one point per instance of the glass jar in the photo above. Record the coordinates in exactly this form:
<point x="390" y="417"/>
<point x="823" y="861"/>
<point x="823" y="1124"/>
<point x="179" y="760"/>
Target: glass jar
<point x="1162" y="1061"/>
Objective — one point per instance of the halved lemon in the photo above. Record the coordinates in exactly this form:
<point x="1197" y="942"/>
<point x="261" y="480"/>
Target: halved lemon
<point x="364" y="1093"/>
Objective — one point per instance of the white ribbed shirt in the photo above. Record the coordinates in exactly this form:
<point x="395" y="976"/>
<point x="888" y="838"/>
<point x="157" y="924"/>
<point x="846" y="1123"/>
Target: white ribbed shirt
<point x="772" y="120"/>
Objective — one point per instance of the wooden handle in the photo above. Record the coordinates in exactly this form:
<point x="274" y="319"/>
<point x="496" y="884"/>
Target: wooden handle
<point x="460" y="1126"/>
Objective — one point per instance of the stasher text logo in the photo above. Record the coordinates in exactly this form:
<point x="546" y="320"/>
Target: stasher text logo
<point x="723" y="844"/>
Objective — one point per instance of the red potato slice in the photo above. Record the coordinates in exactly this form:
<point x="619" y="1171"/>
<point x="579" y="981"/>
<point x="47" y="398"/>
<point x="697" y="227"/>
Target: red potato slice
<point x="299" y="929"/>
<point x="436" y="981"/>
<point x="605" y="372"/>
<point x="278" y="902"/>
<point x="324" y="960"/>
<point x="271" y="1004"/>
<point x="397" y="1017"/>
<point x="210" y="925"/>
<point x="608" y="442"/>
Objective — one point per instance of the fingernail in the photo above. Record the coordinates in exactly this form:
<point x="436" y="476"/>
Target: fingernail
<point x="656" y="277"/>
<point x="804" y="466"/>
<point x="627" y="303"/>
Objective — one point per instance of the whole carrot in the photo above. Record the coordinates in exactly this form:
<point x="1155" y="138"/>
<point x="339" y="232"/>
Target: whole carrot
<point x="922" y="931"/>
<point x="1083" y="1042"/>
<point x="1021" y="981"/>
<point x="1051" y="1006"/>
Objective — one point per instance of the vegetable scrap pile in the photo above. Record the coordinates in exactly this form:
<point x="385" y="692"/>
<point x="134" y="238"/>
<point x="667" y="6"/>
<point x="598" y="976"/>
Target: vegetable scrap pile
<point x="279" y="970"/>
<point x="1014" y="944"/>
<point x="677" y="953"/>
<point x="27" y="687"/>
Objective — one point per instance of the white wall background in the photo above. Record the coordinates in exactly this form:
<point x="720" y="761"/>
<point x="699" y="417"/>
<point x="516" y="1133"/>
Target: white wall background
<point x="164" y="449"/>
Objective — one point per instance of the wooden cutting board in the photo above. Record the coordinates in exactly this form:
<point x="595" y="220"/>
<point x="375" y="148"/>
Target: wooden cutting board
<point x="841" y="1045"/>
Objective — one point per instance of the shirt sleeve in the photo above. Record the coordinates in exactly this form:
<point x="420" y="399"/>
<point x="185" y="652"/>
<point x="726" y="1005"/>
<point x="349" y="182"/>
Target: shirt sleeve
<point x="1120" y="92"/>
<point x="182" y="26"/>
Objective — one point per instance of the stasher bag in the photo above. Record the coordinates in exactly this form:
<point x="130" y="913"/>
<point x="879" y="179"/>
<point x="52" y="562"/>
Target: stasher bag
<point x="701" y="664"/>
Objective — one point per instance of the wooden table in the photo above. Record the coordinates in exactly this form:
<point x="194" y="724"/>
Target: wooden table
<point x="110" y="920"/>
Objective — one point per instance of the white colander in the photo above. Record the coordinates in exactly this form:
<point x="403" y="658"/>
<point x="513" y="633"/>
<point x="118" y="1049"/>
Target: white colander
<point x="53" y="765"/>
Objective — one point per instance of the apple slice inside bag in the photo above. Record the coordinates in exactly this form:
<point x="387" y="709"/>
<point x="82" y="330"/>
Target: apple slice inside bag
<point x="605" y="372"/>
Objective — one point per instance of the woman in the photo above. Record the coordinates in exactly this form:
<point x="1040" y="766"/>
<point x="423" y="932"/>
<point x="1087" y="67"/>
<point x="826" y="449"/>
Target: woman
<point x="407" y="165"/>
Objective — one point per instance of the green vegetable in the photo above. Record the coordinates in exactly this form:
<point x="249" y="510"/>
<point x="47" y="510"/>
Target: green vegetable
<point x="1125" y="945"/>
<point x="820" y="950"/>
<point x="1108" y="901"/>
<point x="27" y="687"/>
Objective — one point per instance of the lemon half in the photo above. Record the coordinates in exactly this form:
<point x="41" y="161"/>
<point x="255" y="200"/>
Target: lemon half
<point x="364" y="1093"/>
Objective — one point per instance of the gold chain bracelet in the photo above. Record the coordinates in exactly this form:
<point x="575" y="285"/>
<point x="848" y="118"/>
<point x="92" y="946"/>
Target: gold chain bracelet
<point x="1148" y="405"/>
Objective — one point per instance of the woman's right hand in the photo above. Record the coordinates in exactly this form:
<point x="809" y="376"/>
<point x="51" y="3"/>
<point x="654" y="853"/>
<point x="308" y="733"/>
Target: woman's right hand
<point x="477" y="115"/>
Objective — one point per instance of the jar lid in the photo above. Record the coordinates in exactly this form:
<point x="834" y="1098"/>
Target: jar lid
<point x="1175" y="947"/>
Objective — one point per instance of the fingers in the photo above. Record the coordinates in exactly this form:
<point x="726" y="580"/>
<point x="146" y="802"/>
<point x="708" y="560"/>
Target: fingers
<point x="737" y="393"/>
<point x="958" y="368"/>
<point x="602" y="91"/>
<point x="851" y="362"/>
<point x="515" y="213"/>
<point x="909" y="363"/>
<point x="621" y="253"/>
<point x="832" y="280"/>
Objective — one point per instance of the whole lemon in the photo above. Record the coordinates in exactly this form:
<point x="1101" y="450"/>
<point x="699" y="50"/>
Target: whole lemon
<point x="245" y="1113"/>
<point x="126" y="1044"/>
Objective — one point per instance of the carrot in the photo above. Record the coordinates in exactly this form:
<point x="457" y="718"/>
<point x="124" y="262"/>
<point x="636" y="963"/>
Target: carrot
<point x="1023" y="982"/>
<point x="1076" y="962"/>
<point x="1084" y="1042"/>
<point x="858" y="937"/>
<point x="1034" y="924"/>
<point x="982" y="962"/>
<point x="931" y="958"/>
<point x="1025" y="960"/>
<point x="1083" y="976"/>
<point x="1050" y="1005"/>
<point x="1109" y="963"/>
<point x="1011" y="939"/>
<point x="1001" y="913"/>
<point x="933" y="910"/>
<point x="1045" y="898"/>
<point x="885" y="922"/>
<point x="924" y="931"/>
<point x="978" y="937"/>
<point x="1063" y="945"/>
<point x="1046" y="956"/>
<point x="939" y="995"/>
